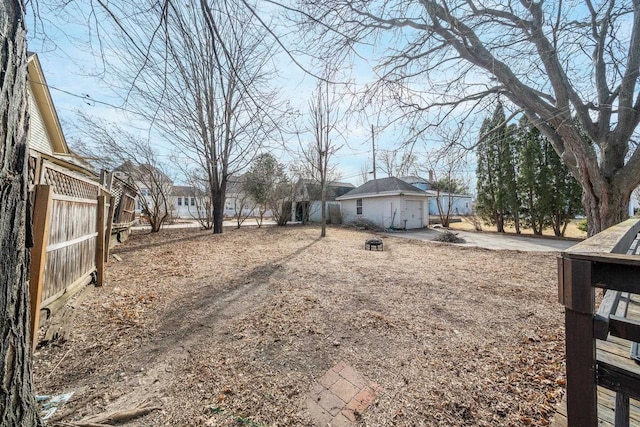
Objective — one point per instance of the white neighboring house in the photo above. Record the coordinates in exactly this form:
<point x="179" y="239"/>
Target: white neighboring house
<point x="461" y="204"/>
<point x="141" y="179"/>
<point x="388" y="202"/>
<point x="237" y="202"/>
<point x="307" y="203"/>
<point x="187" y="202"/>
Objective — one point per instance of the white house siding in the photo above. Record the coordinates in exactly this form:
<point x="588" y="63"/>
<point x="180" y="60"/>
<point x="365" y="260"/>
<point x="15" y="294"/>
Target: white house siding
<point x="186" y="209"/>
<point x="38" y="137"/>
<point x="315" y="210"/>
<point x="386" y="211"/>
<point x="460" y="205"/>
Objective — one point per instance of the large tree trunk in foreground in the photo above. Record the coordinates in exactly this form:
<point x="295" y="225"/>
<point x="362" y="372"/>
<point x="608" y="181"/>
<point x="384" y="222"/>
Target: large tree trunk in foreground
<point x="605" y="209"/>
<point x="17" y="404"/>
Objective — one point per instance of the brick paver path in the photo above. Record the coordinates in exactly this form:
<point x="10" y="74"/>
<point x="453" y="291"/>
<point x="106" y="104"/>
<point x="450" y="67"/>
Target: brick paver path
<point x="340" y="396"/>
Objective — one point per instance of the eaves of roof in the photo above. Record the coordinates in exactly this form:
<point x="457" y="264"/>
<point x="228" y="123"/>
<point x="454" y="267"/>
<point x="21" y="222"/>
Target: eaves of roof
<point x="383" y="194"/>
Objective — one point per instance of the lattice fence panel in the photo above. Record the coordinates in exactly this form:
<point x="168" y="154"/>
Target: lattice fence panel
<point x="66" y="184"/>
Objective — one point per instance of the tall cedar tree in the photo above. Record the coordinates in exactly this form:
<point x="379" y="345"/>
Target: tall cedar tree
<point x="533" y="178"/>
<point x="567" y="192"/>
<point x="497" y="196"/>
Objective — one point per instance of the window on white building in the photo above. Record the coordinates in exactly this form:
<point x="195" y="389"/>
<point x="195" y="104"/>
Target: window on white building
<point x="179" y="201"/>
<point x="193" y="201"/>
<point x="358" y="206"/>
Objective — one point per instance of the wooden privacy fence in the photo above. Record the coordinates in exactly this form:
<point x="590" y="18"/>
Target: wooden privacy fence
<point x="71" y="225"/>
<point x="601" y="375"/>
<point x="124" y="200"/>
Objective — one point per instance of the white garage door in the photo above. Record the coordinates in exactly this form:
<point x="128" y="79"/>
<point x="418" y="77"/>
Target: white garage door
<point x="413" y="213"/>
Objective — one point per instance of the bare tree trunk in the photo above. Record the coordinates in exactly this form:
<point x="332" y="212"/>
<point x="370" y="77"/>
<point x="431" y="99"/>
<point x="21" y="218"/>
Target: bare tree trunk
<point x="218" y="212"/>
<point x="500" y="222"/>
<point x="608" y="208"/>
<point x="17" y="404"/>
<point x="323" y="210"/>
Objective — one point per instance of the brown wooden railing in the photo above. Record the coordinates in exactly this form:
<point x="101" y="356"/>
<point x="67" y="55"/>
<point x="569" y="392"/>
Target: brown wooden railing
<point x="607" y="261"/>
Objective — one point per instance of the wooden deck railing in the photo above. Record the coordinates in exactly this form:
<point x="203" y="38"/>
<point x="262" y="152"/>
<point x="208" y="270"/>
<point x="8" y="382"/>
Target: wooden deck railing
<point x="605" y="261"/>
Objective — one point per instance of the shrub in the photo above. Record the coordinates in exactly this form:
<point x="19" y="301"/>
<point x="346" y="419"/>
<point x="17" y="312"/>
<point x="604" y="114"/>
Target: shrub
<point x="449" y="237"/>
<point x="365" y="224"/>
<point x="582" y="225"/>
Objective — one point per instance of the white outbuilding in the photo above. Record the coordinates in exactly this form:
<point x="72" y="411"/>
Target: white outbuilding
<point x="388" y="202"/>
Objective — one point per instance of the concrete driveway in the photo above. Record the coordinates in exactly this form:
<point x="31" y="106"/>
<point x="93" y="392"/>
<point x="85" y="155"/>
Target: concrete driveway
<point x="493" y="240"/>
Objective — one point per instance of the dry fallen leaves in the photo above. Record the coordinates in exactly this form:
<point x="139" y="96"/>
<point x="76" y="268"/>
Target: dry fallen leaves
<point x="246" y="321"/>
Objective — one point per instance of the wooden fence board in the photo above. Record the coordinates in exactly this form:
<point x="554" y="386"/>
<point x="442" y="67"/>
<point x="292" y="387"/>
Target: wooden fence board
<point x="41" y="221"/>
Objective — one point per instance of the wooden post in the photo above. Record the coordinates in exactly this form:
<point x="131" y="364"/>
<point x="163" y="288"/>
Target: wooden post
<point x="579" y="300"/>
<point x="622" y="410"/>
<point x="107" y="235"/>
<point x="41" y="217"/>
<point x="100" y="225"/>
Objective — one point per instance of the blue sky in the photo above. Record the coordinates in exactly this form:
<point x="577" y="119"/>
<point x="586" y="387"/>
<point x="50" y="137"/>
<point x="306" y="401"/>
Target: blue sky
<point x="73" y="74"/>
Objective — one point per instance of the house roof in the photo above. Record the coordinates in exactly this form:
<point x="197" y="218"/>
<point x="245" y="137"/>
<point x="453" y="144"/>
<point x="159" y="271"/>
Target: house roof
<point x="59" y="153"/>
<point x="186" y="191"/>
<point x="235" y="184"/>
<point x="390" y="186"/>
<point x="309" y="189"/>
<point x="42" y="98"/>
<point x="435" y="193"/>
<point x="413" y="179"/>
<point x="142" y="170"/>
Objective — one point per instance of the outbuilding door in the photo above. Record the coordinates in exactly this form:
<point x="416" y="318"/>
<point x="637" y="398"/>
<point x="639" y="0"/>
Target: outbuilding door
<point x="413" y="214"/>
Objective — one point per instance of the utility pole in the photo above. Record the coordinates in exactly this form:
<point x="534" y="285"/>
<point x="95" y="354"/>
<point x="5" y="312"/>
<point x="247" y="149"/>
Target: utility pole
<point x="373" y="143"/>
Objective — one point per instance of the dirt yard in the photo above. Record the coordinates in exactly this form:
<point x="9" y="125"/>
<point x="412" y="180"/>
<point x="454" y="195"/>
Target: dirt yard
<point x="235" y="329"/>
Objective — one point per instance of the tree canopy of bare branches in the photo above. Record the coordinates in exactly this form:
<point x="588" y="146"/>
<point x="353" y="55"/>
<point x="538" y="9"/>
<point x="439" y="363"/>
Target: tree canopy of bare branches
<point x="200" y="74"/>
<point x="324" y="118"/>
<point x="554" y="60"/>
<point x="115" y="148"/>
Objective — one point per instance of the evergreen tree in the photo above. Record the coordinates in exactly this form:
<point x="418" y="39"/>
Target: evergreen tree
<point x="496" y="174"/>
<point x="509" y="148"/>
<point x="267" y="184"/>
<point x="566" y="195"/>
<point x="533" y="178"/>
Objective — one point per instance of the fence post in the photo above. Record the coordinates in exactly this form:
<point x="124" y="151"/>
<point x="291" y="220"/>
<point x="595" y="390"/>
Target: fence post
<point x="100" y="217"/>
<point x="107" y="235"/>
<point x="579" y="301"/>
<point x="41" y="217"/>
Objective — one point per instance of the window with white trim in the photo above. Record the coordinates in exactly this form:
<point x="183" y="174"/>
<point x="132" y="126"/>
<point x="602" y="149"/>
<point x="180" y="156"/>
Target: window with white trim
<point x="358" y="206"/>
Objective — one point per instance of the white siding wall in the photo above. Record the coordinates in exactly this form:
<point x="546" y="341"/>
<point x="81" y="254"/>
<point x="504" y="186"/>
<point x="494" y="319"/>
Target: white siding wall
<point x="38" y="138"/>
<point x="315" y="210"/>
<point x="185" y="209"/>
<point x="379" y="210"/>
<point x="384" y="210"/>
<point x="459" y="205"/>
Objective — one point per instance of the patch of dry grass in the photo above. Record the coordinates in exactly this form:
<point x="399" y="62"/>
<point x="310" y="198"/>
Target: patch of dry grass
<point x="572" y="231"/>
<point x="217" y="328"/>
